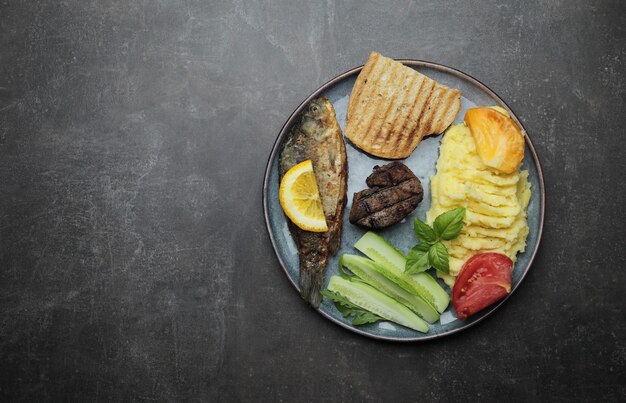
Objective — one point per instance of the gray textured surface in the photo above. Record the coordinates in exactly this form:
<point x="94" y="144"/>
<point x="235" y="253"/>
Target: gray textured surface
<point x="134" y="262"/>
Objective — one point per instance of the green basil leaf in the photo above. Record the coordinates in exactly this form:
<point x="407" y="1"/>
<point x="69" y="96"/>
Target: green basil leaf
<point x="417" y="260"/>
<point x="423" y="232"/>
<point x="438" y="258"/>
<point x="449" y="224"/>
<point x="422" y="247"/>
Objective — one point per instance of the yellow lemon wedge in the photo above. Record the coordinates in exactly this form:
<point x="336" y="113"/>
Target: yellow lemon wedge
<point x="300" y="198"/>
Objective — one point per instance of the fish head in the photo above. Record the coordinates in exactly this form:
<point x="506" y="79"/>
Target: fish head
<point x="315" y="108"/>
<point x="313" y="115"/>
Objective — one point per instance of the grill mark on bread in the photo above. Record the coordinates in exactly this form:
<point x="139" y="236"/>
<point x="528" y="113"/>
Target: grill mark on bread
<point x="369" y="109"/>
<point x="405" y="95"/>
<point x="437" y="114"/>
<point x="373" y="129"/>
<point x="363" y="108"/>
<point x="426" y="123"/>
<point x="368" y="69"/>
<point x="361" y="80"/>
<point x="380" y="130"/>
<point x="442" y="112"/>
<point x="406" y="82"/>
<point x="421" y="102"/>
<point x="398" y="132"/>
<point x="453" y="106"/>
<point x="449" y="110"/>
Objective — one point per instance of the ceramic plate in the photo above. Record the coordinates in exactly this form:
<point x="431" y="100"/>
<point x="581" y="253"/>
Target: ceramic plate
<point x="422" y="163"/>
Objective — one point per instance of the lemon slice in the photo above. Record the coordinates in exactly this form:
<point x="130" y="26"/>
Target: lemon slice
<point x="300" y="198"/>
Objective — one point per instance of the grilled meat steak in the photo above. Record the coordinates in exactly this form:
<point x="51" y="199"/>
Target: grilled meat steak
<point x="394" y="191"/>
<point x="317" y="137"/>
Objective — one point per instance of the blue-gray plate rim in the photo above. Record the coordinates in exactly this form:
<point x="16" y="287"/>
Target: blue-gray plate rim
<point x="531" y="162"/>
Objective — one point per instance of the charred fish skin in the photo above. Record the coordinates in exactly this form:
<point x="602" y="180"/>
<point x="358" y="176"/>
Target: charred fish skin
<point x="317" y="136"/>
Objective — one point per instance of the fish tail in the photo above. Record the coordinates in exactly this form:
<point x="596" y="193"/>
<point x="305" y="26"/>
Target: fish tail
<point x="311" y="283"/>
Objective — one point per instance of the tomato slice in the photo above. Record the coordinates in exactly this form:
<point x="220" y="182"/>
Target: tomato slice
<point x="484" y="279"/>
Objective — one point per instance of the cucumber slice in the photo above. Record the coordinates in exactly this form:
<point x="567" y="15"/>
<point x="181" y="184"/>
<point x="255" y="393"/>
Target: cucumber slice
<point x="386" y="254"/>
<point x="393" y="261"/>
<point x="371" y="273"/>
<point x="369" y="298"/>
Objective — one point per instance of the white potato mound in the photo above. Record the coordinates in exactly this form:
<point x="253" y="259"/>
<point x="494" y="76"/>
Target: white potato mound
<point x="495" y="219"/>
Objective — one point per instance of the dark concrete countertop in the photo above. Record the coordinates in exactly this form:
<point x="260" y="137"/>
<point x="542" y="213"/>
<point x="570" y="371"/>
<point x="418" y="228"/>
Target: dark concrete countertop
<point x="134" y="260"/>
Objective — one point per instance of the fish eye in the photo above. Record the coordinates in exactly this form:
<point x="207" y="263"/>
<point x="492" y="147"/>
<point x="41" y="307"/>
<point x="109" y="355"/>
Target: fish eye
<point x="315" y="109"/>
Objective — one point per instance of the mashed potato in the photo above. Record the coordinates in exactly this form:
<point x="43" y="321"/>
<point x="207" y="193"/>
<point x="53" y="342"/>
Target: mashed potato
<point x="495" y="219"/>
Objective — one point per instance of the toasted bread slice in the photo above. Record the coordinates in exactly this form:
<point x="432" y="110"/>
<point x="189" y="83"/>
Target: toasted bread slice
<point x="392" y="107"/>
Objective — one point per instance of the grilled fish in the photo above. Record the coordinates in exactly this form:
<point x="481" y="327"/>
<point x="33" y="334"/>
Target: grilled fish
<point x="317" y="136"/>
